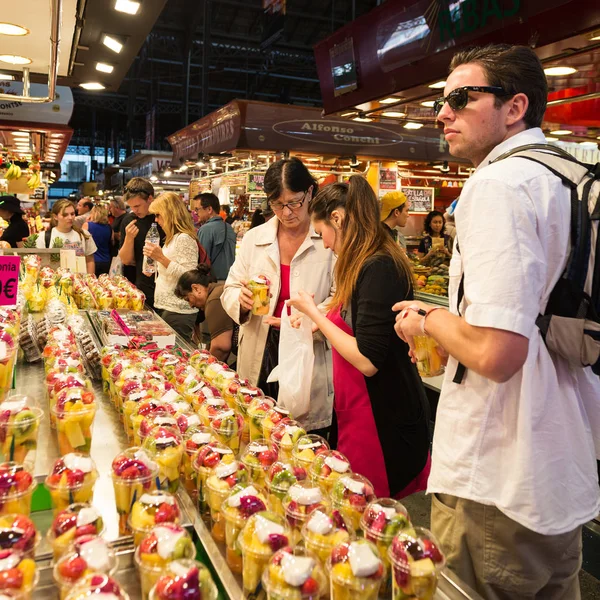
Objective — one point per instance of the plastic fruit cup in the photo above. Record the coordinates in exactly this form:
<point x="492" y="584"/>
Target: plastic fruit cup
<point x="132" y="482"/>
<point x="301" y="500"/>
<point x="151" y="509"/>
<point x="429" y="360"/>
<point x="194" y="439"/>
<point x="17" y="532"/>
<point x="129" y="406"/>
<point x="19" y="435"/>
<point x="350" y="495"/>
<point x="258" y="457"/>
<point x="416" y="561"/>
<point x="227" y="427"/>
<point x="261" y="299"/>
<point x="94" y="585"/>
<point x="327" y="468"/>
<point x="17" y="574"/>
<point x="323" y="530"/>
<point x="257" y="411"/>
<point x="306" y="449"/>
<point x="284" y="436"/>
<point x="17" y="485"/>
<point x="223" y="379"/>
<point x="274" y="417"/>
<point x="355" y="571"/>
<point x="280" y="478"/>
<point x="74" y="429"/>
<point x="186" y="577"/>
<point x="65" y="489"/>
<point x="8" y="355"/>
<point x="245" y="395"/>
<point x="381" y="521"/>
<point x="165" y="446"/>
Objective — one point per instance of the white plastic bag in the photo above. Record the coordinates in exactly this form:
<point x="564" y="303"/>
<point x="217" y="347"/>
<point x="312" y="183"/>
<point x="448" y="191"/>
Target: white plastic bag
<point x="295" y="369"/>
<point x="116" y="266"/>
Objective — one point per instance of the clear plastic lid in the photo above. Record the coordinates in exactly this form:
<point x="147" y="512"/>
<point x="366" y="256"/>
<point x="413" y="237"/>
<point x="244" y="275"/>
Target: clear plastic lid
<point x="244" y="500"/>
<point x="307" y="447"/>
<point x="259" y="407"/>
<point x="329" y="466"/>
<point x="196" y="438"/>
<point x="94" y="550"/>
<point x="282" y="475"/>
<point x="71" y="472"/>
<point x="89" y="586"/>
<point x="264" y="534"/>
<point x="211" y="454"/>
<point x="161" y="438"/>
<point x="383" y="519"/>
<point x="415" y="552"/>
<point x="153" y="508"/>
<point x="286" y="433"/>
<point x="134" y="464"/>
<point x="79" y="515"/>
<point x="294" y="573"/>
<point x="18" y="532"/>
<point x="352" y="490"/>
<point x="259" y="454"/>
<point x="361" y="556"/>
<point x="301" y="500"/>
<point x="164" y="542"/>
<point x="185" y="574"/>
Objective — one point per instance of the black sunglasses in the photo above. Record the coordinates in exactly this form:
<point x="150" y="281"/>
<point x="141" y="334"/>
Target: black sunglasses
<point x="459" y="98"/>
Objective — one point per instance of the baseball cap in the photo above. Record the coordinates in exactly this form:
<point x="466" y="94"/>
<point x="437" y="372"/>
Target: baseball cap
<point x="11" y="203"/>
<point x="389" y="202"/>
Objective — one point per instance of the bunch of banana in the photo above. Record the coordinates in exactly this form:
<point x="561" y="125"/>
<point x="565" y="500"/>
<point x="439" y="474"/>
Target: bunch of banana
<point x="13" y="172"/>
<point x="34" y="181"/>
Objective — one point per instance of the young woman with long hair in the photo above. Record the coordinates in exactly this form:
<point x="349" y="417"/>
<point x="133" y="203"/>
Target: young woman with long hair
<point x="63" y="227"/>
<point x="178" y="255"/>
<point x="380" y="403"/>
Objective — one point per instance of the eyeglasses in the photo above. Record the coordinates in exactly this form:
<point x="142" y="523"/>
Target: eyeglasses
<point x="279" y="206"/>
<point x="459" y="98"/>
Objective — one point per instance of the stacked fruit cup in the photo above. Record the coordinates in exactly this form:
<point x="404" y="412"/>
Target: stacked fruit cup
<point x="151" y="509"/>
<point x="19" y="427"/>
<point x="327" y="468"/>
<point x="186" y="417"/>
<point x="258" y="457"/>
<point x="350" y="495"/>
<point x="63" y="383"/>
<point x="257" y="411"/>
<point x="165" y="417"/>
<point x="203" y="397"/>
<point x="227" y="427"/>
<point x="16" y="488"/>
<point x="18" y="574"/>
<point x="131" y="401"/>
<point x="229" y="392"/>
<point x="165" y="446"/>
<point x="211" y="407"/>
<point x="323" y="530"/>
<point x="134" y="474"/>
<point x="223" y="380"/>
<point x="143" y="410"/>
<point x="307" y="448"/>
<point x="71" y="479"/>
<point x="212" y="370"/>
<point x="245" y="396"/>
<point x="199" y="358"/>
<point x="274" y="417"/>
<point x="17" y="532"/>
<point x="285" y="435"/>
<point x="302" y="499"/>
<point x="280" y="477"/>
<point x="74" y="413"/>
<point x="194" y="439"/>
<point x="8" y="355"/>
<point x="182" y="579"/>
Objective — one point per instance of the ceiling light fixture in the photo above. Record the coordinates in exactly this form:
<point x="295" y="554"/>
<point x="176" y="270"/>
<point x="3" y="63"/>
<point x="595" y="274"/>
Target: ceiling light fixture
<point x="362" y="119"/>
<point x="14" y="59"/>
<point x="11" y="29"/>
<point x="558" y="71"/>
<point x="561" y="132"/>
<point x="6" y="77"/>
<point x="104" y="67"/>
<point x="428" y="103"/>
<point x="112" y="43"/>
<point x="127" y="6"/>
<point x="413" y="125"/>
<point x="438" y="85"/>
<point x="393" y="114"/>
<point x="348" y="114"/>
<point x="20" y="133"/>
<point x="390" y="100"/>
<point x="91" y="85"/>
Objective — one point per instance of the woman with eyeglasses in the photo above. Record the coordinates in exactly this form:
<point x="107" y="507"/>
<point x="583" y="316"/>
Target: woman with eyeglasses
<point x="292" y="256"/>
<point x="380" y="402"/>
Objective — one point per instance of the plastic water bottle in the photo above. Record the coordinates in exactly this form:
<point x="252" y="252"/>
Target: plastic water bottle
<point x="152" y="237"/>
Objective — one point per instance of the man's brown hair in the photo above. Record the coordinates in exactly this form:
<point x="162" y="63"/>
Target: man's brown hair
<point x="138" y="186"/>
<point x="516" y="69"/>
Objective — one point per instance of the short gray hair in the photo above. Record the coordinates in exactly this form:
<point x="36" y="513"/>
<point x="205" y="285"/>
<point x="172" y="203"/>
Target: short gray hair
<point x="118" y="202"/>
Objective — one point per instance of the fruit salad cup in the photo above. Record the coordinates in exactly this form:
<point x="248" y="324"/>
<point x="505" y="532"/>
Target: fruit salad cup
<point x="74" y="413"/>
<point x="229" y="392"/>
<point x="8" y="355"/>
<point x="18" y="574"/>
<point x="97" y="586"/>
<point x="294" y="574"/>
<point x="327" y="468"/>
<point x="19" y="426"/>
<point x="165" y="445"/>
<point x="243" y="501"/>
<point x="207" y="458"/>
<point x="274" y="417"/>
<point x="260" y="287"/>
<point x="196" y="391"/>
<point x="199" y="358"/>
<point x="76" y="520"/>
<point x="164" y="544"/>
<point x="17" y="532"/>
<point x="147" y="410"/>
<point x="257" y="411"/>
<point x="88" y="554"/>
<point x="210" y="407"/>
<point x="284" y="436"/>
<point x="302" y="499"/>
<point x="356" y="571"/>
<point x="131" y="403"/>
<point x="227" y="426"/>
<point x="350" y="495"/>
<point x="186" y="417"/>
<point x="71" y="479"/>
<point x="151" y="509"/>
<point x="280" y="477"/>
<point x="16" y="488"/>
<point x="219" y="483"/>
<point x="306" y="449"/>
<point x="264" y="534"/>
<point x="134" y="473"/>
<point x="157" y="419"/>
<point x="381" y="521"/>
<point x="323" y="530"/>
<point x="194" y="439"/>
<point x="258" y="457"/>
<point x="224" y="379"/>
<point x="185" y="579"/>
<point x="245" y="396"/>
<point x="212" y="370"/>
<point x="64" y="383"/>
<point x="416" y="560"/>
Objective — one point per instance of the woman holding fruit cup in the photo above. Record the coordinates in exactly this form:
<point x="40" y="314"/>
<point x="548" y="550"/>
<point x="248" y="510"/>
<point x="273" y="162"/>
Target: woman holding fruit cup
<point x="284" y="255"/>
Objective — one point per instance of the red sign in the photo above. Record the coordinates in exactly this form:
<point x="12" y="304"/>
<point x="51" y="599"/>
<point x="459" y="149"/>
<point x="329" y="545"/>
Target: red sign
<point x="117" y="319"/>
<point x="9" y="279"/>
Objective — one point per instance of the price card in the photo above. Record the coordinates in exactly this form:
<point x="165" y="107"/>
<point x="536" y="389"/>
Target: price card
<point x="117" y="319"/>
<point x="9" y="279"/>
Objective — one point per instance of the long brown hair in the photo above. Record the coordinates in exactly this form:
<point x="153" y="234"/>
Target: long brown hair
<point x="57" y="208"/>
<point x="176" y="217"/>
<point x="363" y="235"/>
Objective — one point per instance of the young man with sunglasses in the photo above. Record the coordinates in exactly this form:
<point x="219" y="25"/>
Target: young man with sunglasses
<point x="514" y="466"/>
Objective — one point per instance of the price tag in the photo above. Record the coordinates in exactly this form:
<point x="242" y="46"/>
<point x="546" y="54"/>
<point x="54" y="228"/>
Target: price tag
<point x="9" y="279"/>
<point x="117" y="319"/>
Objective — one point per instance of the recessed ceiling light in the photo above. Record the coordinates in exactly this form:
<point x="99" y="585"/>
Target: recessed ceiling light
<point x="413" y="125"/>
<point x="127" y="6"/>
<point x="390" y="100"/>
<point x="362" y="119"/>
<point x="11" y="29"/>
<point x="104" y="67"/>
<point x="557" y="71"/>
<point x="551" y="139"/>
<point x="112" y="43"/>
<point x="561" y="132"/>
<point x="393" y="114"/>
<point x="438" y="85"/>
<point x="91" y="85"/>
<point x="428" y="103"/>
<point x="14" y="59"/>
<point x="6" y="77"/>
<point x="591" y="145"/>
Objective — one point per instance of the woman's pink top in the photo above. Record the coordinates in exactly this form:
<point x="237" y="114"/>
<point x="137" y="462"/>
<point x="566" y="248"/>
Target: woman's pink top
<point x="284" y="292"/>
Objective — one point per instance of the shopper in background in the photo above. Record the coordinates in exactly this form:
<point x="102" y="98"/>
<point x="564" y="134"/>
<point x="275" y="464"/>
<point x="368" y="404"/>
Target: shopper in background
<point x="514" y="469"/>
<point x="17" y="230"/>
<point x="435" y="228"/>
<point x="257" y="219"/>
<point x="379" y="397"/>
<point x="72" y="237"/>
<point x="394" y="213"/>
<point x="178" y="255"/>
<point x="139" y="194"/>
<point x="292" y="256"/>
<point x="216" y="236"/>
<point x="84" y="208"/>
<point x="101" y="232"/>
<point x="118" y="212"/>
<point x="198" y="288"/>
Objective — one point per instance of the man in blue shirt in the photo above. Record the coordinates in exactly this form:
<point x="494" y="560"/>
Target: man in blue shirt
<point x="216" y="236"/>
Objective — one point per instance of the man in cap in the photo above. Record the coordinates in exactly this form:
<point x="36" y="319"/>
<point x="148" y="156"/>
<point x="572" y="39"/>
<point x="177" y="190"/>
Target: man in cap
<point x="394" y="213"/>
<point x="10" y="210"/>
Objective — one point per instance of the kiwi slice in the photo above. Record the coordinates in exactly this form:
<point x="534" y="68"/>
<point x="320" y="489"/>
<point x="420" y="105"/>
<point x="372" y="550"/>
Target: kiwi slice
<point x="24" y="422"/>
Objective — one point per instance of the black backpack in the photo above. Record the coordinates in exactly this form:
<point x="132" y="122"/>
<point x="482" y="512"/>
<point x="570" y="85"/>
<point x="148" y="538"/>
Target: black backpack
<point x="570" y="325"/>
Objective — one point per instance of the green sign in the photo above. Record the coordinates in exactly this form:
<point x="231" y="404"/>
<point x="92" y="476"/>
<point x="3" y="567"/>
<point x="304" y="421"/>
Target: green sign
<point x="256" y="182"/>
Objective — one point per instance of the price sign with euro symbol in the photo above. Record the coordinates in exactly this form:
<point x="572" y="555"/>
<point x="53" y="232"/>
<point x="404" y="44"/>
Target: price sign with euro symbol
<point x="9" y="280"/>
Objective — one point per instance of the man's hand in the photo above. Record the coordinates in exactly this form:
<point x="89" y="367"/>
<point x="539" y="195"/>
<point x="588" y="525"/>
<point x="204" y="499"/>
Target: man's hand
<point x="131" y="230"/>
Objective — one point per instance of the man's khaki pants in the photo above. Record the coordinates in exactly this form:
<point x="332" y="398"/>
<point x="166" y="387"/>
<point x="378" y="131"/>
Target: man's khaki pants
<point x="501" y="559"/>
